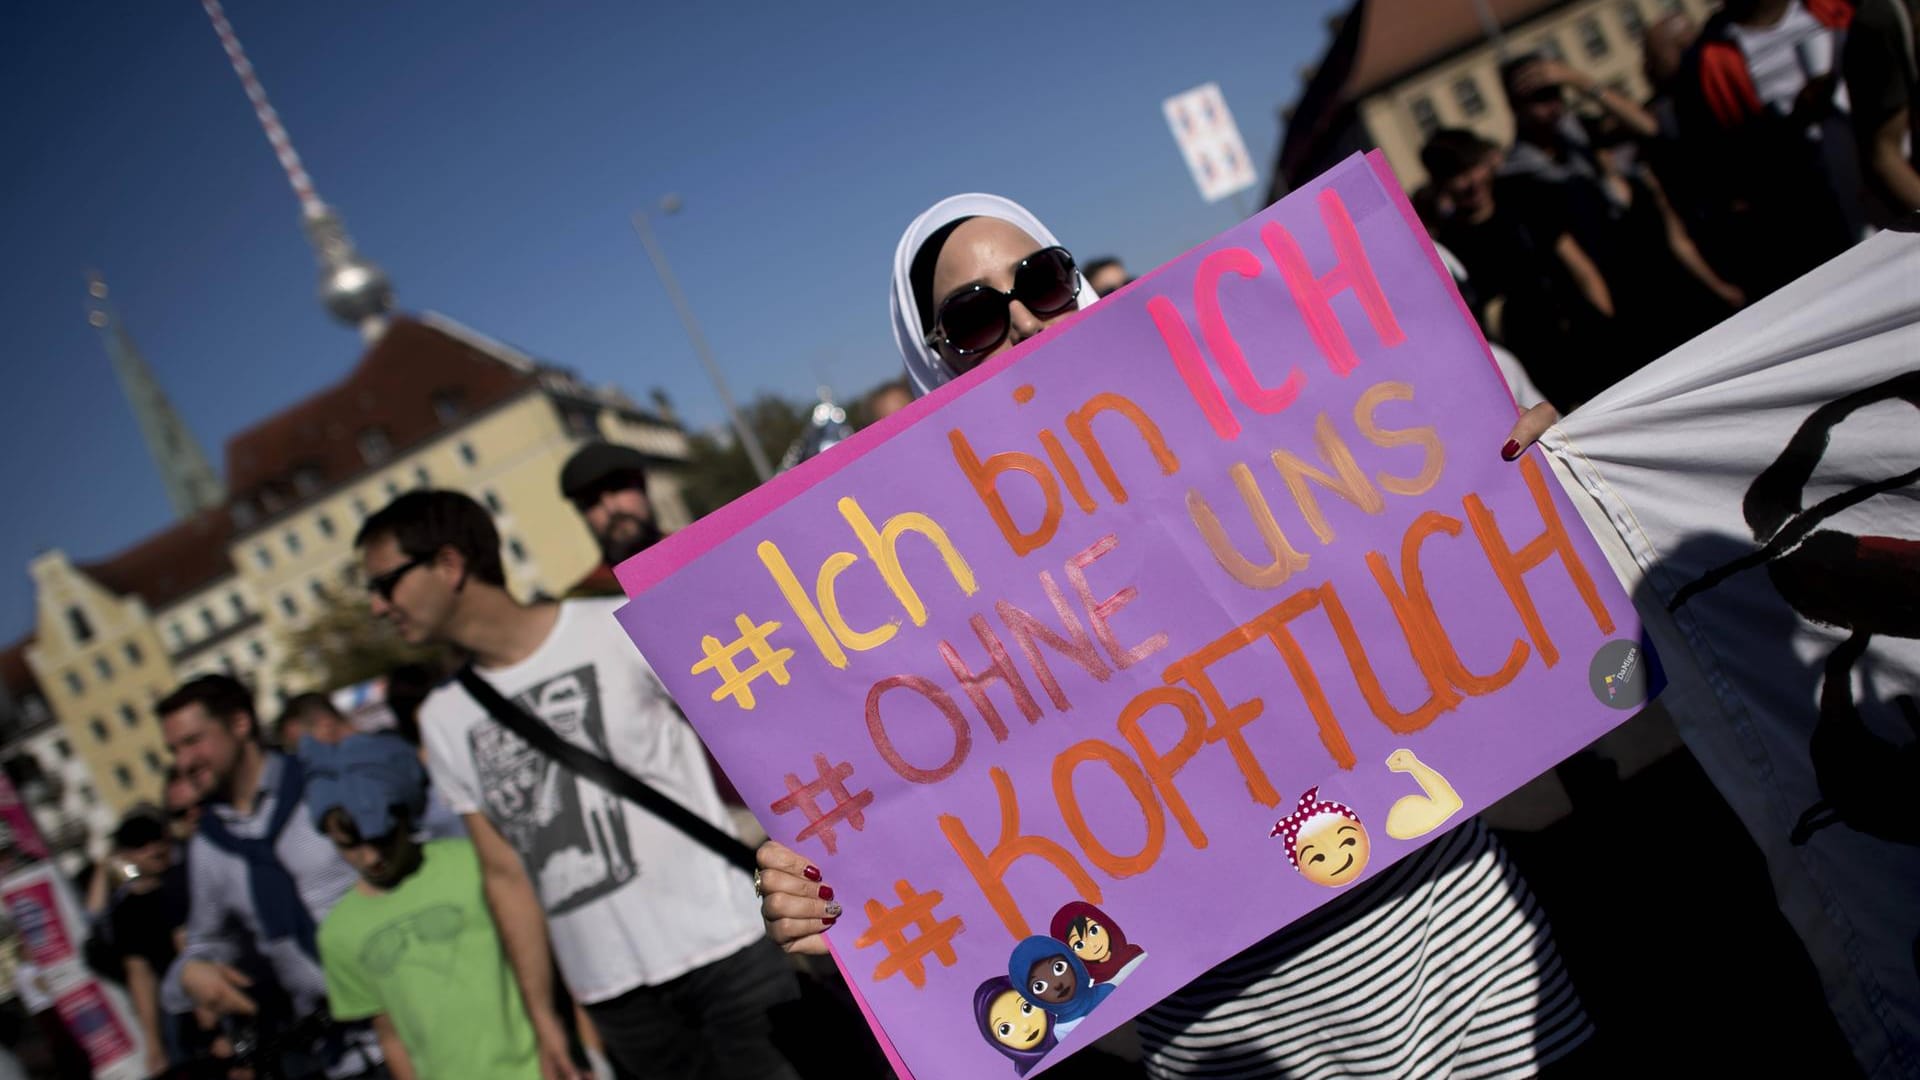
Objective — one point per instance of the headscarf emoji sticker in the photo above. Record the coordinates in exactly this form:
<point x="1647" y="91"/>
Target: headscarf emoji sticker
<point x="1097" y="941"/>
<point x="1050" y="976"/>
<point x="1325" y="840"/>
<point x="1015" y="1026"/>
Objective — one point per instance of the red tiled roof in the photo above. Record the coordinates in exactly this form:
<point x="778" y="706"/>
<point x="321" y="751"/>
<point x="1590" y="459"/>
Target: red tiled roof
<point x="15" y="675"/>
<point x="1401" y="37"/>
<point x="172" y="562"/>
<point x="398" y="388"/>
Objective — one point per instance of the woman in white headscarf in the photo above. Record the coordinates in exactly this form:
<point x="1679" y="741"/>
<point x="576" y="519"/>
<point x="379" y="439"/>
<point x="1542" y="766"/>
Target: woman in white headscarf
<point x="1442" y="965"/>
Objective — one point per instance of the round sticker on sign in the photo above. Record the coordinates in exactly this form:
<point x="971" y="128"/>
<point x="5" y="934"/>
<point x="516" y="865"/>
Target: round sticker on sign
<point x="1618" y="675"/>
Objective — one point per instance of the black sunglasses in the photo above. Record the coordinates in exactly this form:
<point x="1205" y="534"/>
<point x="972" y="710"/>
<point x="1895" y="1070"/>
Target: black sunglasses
<point x="384" y="585"/>
<point x="977" y="318"/>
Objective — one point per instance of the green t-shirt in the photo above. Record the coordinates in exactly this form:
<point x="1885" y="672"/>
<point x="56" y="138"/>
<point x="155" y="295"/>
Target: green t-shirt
<point x="427" y="956"/>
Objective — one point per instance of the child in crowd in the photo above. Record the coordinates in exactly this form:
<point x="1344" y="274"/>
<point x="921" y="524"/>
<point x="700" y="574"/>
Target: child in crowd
<point x="412" y="947"/>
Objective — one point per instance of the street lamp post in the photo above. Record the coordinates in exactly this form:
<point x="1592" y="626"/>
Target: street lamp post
<point x="755" y="454"/>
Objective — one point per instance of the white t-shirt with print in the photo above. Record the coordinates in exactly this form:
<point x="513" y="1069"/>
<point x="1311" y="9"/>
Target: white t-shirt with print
<point x="630" y="900"/>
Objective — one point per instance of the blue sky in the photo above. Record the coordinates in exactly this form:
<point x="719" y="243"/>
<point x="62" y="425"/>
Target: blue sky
<point x="488" y="154"/>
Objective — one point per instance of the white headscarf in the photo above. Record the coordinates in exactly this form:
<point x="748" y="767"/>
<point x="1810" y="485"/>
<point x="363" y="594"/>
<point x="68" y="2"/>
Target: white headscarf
<point x="925" y="368"/>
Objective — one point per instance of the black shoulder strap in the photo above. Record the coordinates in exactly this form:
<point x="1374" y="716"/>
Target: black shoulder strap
<point x="608" y="776"/>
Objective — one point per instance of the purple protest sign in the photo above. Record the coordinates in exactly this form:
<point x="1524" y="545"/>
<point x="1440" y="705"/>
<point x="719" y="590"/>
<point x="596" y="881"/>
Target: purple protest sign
<point x="1064" y="644"/>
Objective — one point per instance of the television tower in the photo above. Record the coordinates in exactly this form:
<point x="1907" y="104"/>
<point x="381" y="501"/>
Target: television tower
<point x="353" y="289"/>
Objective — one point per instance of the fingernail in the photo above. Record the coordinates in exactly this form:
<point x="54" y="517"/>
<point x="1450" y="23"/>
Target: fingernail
<point x="1511" y="450"/>
<point x="833" y="920"/>
<point x="833" y="910"/>
<point x="812" y="873"/>
<point x="826" y="892"/>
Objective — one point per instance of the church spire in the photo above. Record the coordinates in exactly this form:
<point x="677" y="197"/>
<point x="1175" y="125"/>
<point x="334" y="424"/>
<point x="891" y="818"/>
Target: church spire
<point x="189" y="479"/>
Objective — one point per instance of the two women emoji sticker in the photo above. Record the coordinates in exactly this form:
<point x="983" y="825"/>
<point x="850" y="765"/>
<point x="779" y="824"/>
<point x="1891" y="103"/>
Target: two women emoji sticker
<point x="1325" y="840"/>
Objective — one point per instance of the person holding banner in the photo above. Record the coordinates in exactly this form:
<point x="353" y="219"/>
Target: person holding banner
<point x="1441" y="965"/>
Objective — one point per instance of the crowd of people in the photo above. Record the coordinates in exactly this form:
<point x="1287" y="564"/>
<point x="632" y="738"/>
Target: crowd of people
<point x="1610" y="231"/>
<point x="463" y="902"/>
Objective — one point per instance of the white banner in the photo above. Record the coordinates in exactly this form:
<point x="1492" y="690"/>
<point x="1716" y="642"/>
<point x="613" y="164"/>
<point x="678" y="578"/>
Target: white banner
<point x="1210" y="141"/>
<point x="1759" y="491"/>
<point x="53" y="934"/>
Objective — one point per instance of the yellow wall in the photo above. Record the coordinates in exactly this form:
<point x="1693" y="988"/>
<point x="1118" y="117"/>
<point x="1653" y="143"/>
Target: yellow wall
<point x="517" y="450"/>
<point x="1388" y="113"/>
<point x="107" y="712"/>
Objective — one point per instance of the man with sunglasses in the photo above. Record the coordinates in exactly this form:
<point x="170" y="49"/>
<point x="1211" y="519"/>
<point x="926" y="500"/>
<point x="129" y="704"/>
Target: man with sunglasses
<point x="607" y="484"/>
<point x="660" y="938"/>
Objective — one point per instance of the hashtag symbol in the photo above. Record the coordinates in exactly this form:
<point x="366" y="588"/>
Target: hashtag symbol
<point x="888" y="926"/>
<point x="735" y="683"/>
<point x="847" y="806"/>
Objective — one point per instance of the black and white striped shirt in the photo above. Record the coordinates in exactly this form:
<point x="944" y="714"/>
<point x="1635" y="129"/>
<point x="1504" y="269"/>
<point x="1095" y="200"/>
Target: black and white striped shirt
<point x="1442" y="966"/>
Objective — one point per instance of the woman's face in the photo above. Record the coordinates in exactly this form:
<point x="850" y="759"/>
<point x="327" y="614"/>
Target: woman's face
<point x="984" y="251"/>
<point x="1014" y="1022"/>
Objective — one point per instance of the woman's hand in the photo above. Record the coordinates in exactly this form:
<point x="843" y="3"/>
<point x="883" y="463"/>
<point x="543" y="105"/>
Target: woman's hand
<point x="1527" y="430"/>
<point x="797" y="907"/>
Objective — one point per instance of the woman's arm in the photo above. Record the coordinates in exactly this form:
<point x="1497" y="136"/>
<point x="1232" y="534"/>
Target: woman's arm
<point x="395" y="1051"/>
<point x="143" y="986"/>
<point x="1680" y="242"/>
<point x="1585" y="274"/>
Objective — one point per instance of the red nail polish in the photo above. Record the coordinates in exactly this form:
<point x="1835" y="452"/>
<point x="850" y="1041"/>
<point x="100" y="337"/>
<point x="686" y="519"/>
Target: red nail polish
<point x="826" y="892"/>
<point x="831" y="921"/>
<point x="811" y="873"/>
<point x="1511" y="450"/>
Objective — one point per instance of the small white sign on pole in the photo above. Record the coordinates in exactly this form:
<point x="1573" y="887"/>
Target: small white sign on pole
<point x="1210" y="141"/>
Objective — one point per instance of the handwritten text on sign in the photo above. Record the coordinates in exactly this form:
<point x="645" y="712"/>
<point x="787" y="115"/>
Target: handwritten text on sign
<point x="1083" y="676"/>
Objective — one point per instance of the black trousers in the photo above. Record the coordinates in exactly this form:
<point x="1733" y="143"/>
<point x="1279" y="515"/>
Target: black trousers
<point x="713" y="1023"/>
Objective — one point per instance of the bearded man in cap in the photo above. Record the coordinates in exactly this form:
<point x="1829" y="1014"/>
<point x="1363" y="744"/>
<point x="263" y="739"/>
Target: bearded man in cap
<point x="608" y="485"/>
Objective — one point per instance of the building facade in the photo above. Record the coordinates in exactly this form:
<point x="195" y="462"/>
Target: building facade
<point x="1399" y="70"/>
<point x="430" y="404"/>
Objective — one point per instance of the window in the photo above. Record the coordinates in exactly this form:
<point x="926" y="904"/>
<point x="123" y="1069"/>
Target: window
<point x="244" y="514"/>
<point x="360" y="507"/>
<point x="1550" y="47"/>
<point x="74" y="685"/>
<point x="374" y="447"/>
<point x="128" y="717"/>
<point x="350" y="575"/>
<point x="293" y="542"/>
<point x="79" y="626"/>
<point x="393" y="490"/>
<point x="1466" y="92"/>
<point x="258" y="650"/>
<point x="154" y="764"/>
<point x="1424" y="115"/>
<point x="449" y="404"/>
<point x="99" y="729"/>
<point x="319" y="591"/>
<point x="325" y="525"/>
<point x="421" y="477"/>
<point x="262" y="557"/>
<point x="87" y="797"/>
<point x="104" y="666"/>
<point x="134" y="654"/>
<point x="238" y="605"/>
<point x="467" y="456"/>
<point x="494" y="505"/>
<point x="306" y="480"/>
<point x="207" y="620"/>
<point x="1593" y="39"/>
<point x="178" y="634"/>
<point x="124" y="775"/>
<point x="63" y="748"/>
<point x="287" y="605"/>
<point x="1630" y="18"/>
<point x="518" y="552"/>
